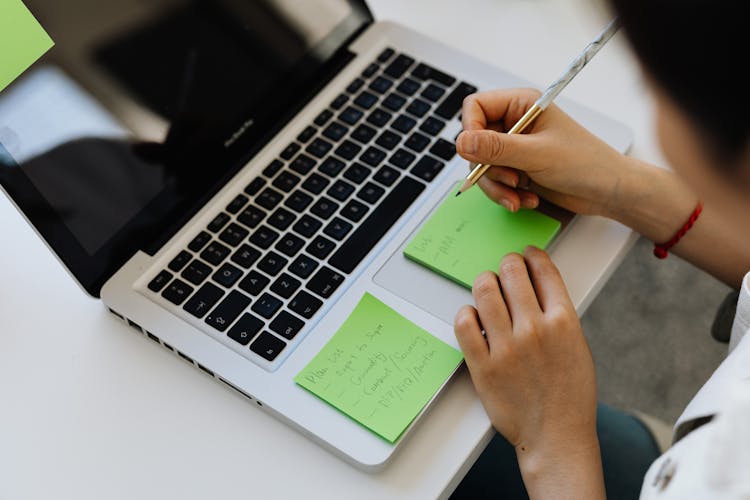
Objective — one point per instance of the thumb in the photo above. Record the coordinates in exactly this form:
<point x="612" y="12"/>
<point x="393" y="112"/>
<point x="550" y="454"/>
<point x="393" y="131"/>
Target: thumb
<point x="488" y="146"/>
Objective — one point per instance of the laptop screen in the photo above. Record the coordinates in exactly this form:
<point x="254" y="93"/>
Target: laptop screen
<point x="142" y="110"/>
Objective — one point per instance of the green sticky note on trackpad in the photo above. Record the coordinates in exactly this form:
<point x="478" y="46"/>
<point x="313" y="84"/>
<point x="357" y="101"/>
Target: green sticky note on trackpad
<point x="379" y="368"/>
<point x="470" y="233"/>
<point x="22" y="40"/>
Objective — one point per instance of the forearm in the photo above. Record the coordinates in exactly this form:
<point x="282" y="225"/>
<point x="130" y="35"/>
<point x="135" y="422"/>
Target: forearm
<point x="656" y="203"/>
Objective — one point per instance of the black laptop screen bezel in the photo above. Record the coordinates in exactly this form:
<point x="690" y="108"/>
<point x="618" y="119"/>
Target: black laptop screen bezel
<point x="215" y="144"/>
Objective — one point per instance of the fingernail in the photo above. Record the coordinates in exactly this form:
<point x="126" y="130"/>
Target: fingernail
<point x="506" y="204"/>
<point x="468" y="143"/>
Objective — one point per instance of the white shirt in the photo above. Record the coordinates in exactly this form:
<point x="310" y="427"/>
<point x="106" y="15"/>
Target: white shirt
<point x="713" y="461"/>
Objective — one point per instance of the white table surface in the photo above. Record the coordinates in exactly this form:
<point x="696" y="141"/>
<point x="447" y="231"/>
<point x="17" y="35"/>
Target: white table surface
<point x="91" y="410"/>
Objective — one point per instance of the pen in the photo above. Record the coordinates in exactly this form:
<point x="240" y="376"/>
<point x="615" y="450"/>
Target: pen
<point x="549" y="95"/>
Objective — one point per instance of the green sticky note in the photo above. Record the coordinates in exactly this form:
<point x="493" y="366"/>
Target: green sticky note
<point x="470" y="233"/>
<point x="379" y="368"/>
<point x="22" y="40"/>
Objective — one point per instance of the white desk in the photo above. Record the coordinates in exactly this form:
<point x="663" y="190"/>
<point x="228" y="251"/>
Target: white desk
<point x="90" y="410"/>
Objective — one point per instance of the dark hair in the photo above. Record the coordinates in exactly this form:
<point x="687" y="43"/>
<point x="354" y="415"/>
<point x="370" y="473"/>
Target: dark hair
<point x="695" y="51"/>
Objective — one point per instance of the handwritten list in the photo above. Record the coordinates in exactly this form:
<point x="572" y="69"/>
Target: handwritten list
<point x="379" y="368"/>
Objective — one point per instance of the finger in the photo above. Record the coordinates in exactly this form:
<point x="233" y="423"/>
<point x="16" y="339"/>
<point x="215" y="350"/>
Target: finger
<point x="491" y="308"/>
<point x="469" y="335"/>
<point x="506" y="175"/>
<point x="494" y="148"/>
<point x="517" y="288"/>
<point x="528" y="199"/>
<point x="506" y="105"/>
<point x="505" y="196"/>
<point x="548" y="283"/>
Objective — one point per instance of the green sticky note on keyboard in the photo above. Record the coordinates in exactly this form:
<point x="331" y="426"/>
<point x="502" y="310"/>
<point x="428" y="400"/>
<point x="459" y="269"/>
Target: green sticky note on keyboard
<point x="22" y="40"/>
<point x="470" y="233"/>
<point x="379" y="368"/>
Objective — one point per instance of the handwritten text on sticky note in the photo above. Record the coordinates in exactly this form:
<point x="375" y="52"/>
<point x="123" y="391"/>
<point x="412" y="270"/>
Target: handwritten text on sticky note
<point x="379" y="368"/>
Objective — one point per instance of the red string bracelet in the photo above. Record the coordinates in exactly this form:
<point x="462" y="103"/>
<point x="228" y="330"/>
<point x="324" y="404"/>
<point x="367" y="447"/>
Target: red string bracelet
<point x="661" y="250"/>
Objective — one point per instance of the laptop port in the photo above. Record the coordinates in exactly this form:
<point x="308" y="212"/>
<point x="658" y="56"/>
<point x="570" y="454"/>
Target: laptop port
<point x="135" y="325"/>
<point x="153" y="337"/>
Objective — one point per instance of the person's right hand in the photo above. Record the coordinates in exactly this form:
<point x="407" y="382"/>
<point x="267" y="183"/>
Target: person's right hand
<point x="556" y="158"/>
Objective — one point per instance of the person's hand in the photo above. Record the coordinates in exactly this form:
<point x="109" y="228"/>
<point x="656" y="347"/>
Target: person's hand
<point x="534" y="373"/>
<point x="555" y="158"/>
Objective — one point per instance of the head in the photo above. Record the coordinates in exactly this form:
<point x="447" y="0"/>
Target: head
<point x="692" y="52"/>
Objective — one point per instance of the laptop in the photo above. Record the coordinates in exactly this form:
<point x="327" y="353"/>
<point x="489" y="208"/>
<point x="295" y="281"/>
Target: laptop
<point x="231" y="177"/>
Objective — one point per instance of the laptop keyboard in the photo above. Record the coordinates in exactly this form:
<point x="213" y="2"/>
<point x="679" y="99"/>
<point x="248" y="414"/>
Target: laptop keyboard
<point x="264" y="266"/>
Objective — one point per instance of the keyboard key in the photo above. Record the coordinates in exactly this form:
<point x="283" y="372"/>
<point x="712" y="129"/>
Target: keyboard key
<point x="394" y="102"/>
<point x="366" y="99"/>
<point x="237" y="203"/>
<point x="287" y="325"/>
<point x="218" y="222"/>
<point x="363" y="133"/>
<point x="354" y="210"/>
<point x="298" y="201"/>
<point x="335" y="131"/>
<point x="341" y="190"/>
<point x="177" y="291"/>
<point x="380" y="220"/>
<point x="263" y="237"/>
<point x="325" y="282"/>
<point x="443" y="149"/>
<point x="233" y="234"/>
<point x="199" y="241"/>
<point x="159" y="281"/>
<point x="398" y="66"/>
<point x="251" y="216"/>
<point x="385" y="55"/>
<point x="281" y="218"/>
<point x="286" y="181"/>
<point x="331" y="166"/>
<point x="196" y="272"/>
<point x="370" y="192"/>
<point x="372" y="156"/>
<point x="319" y="147"/>
<point x="388" y="140"/>
<point x="227" y="275"/>
<point x="408" y="87"/>
<point x="370" y="70"/>
<point x="245" y="256"/>
<point x="266" y="305"/>
<point x="402" y="158"/>
<point x="417" y="142"/>
<point x="203" y="300"/>
<point x="451" y="104"/>
<point x="433" y="92"/>
<point x="303" y="266"/>
<point x="315" y="183"/>
<point x="379" y="117"/>
<point x="425" y="72"/>
<point x="245" y="329"/>
<point x="228" y="310"/>
<point x="307" y="226"/>
<point x="307" y="134"/>
<point x="273" y="168"/>
<point x="427" y="168"/>
<point x="290" y="151"/>
<point x="180" y="260"/>
<point x="324" y="207"/>
<point x="386" y="175"/>
<point x="357" y="173"/>
<point x="337" y="228"/>
<point x="418" y="108"/>
<point x="432" y="126"/>
<point x="267" y="346"/>
<point x="255" y="186"/>
<point x="290" y="244"/>
<point x="305" y="304"/>
<point x="269" y="198"/>
<point x="320" y="247"/>
<point x="272" y="263"/>
<point x="254" y="283"/>
<point x="403" y="124"/>
<point x="348" y="150"/>
<point x="381" y="84"/>
<point x="339" y="101"/>
<point x="214" y="253"/>
<point x="285" y="285"/>
<point x="350" y="115"/>
<point x="323" y="118"/>
<point x="355" y="85"/>
<point x="303" y="164"/>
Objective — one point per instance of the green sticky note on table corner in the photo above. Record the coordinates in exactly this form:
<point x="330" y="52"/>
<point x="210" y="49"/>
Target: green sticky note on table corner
<point x="379" y="368"/>
<point x="470" y="233"/>
<point x="22" y="40"/>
